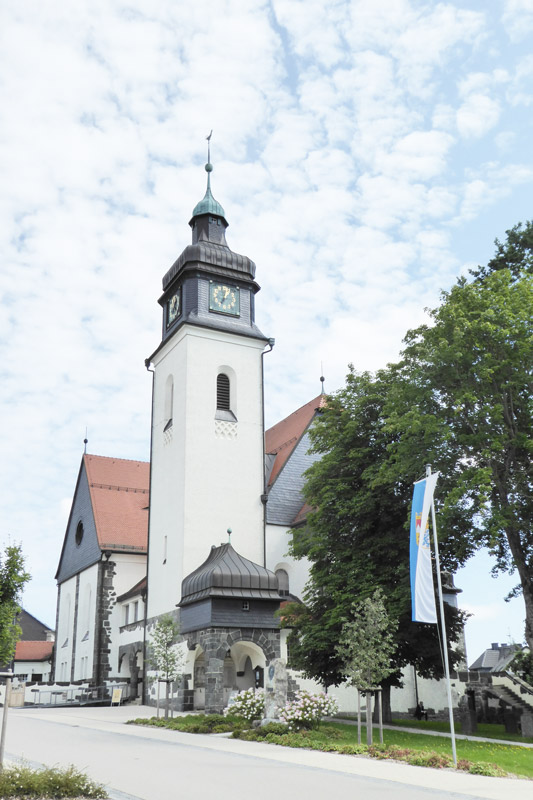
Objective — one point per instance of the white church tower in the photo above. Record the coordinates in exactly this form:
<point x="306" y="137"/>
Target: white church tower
<point x="207" y="411"/>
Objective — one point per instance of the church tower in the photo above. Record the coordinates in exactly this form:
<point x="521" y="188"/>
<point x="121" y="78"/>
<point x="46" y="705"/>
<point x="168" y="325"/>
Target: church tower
<point x="207" y="410"/>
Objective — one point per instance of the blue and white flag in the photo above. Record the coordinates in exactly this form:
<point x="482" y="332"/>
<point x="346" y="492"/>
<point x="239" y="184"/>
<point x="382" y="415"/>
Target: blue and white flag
<point x="422" y="591"/>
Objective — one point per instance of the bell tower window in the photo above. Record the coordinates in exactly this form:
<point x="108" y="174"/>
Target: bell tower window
<point x="223" y="392"/>
<point x="225" y="398"/>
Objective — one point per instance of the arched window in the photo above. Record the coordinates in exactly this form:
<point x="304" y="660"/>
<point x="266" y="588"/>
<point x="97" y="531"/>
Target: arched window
<point x="223" y="392"/>
<point x="283" y="582"/>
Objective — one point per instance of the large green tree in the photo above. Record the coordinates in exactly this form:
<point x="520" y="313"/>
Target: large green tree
<point x="13" y="577"/>
<point x="356" y="538"/>
<point x="463" y="398"/>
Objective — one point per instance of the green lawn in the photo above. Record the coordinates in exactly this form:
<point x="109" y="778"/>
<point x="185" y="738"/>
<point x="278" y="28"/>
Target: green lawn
<point x="342" y="737"/>
<point x="518" y="760"/>
<point x="486" y="729"/>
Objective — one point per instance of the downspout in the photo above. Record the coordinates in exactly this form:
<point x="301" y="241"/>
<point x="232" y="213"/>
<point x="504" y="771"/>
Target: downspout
<point x="144" y="693"/>
<point x="264" y="496"/>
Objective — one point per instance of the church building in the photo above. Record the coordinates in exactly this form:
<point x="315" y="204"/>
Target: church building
<point x="201" y="532"/>
<point x="202" y="539"/>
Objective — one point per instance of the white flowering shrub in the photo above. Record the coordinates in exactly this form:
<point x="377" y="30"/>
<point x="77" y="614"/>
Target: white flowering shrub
<point x="307" y="710"/>
<point x="248" y="704"/>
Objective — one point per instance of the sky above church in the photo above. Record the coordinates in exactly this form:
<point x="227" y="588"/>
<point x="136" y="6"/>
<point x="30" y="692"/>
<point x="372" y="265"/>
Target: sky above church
<point x="366" y="152"/>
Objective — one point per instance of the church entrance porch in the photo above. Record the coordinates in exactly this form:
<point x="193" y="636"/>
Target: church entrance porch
<point x="228" y="661"/>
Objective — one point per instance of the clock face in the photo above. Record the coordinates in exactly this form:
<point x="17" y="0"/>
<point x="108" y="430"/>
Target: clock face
<point x="224" y="298"/>
<point x="173" y="308"/>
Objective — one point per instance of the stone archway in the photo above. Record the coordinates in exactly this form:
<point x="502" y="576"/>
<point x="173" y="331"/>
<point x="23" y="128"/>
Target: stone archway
<point x="224" y="651"/>
<point x="129" y="656"/>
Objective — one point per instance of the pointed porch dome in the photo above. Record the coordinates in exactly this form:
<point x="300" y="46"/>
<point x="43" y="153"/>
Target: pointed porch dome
<point x="226" y="573"/>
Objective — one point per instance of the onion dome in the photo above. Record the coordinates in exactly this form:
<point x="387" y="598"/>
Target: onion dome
<point x="225" y="573"/>
<point x="208" y="205"/>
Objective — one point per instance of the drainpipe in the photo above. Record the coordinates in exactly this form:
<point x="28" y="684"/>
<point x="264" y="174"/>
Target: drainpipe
<point x="264" y="496"/>
<point x="147" y="364"/>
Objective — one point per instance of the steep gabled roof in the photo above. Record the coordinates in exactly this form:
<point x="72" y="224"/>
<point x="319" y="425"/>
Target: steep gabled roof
<point x="119" y="491"/>
<point x="33" y="651"/>
<point x="283" y="437"/>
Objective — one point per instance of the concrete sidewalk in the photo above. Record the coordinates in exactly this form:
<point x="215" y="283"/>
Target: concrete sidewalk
<point x="27" y="736"/>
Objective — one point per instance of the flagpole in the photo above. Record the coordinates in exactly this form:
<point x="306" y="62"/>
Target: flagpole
<point x="443" y="625"/>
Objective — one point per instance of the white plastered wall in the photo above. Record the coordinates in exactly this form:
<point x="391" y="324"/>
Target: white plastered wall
<point x="65" y="629"/>
<point x="86" y="623"/>
<point x="129" y="570"/>
<point x="277" y="545"/>
<point x="207" y="474"/>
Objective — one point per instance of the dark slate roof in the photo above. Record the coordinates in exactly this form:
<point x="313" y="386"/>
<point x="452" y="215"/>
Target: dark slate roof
<point x="218" y="257"/>
<point x="33" y="630"/>
<point x="225" y="573"/>
<point x="496" y="658"/>
<point x="138" y="589"/>
<point x="282" y="438"/>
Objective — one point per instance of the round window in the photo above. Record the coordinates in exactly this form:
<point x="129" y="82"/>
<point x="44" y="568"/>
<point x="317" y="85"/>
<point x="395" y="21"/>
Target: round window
<point x="79" y="532"/>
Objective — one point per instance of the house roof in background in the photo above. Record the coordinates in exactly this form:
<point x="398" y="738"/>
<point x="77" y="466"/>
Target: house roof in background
<point x="33" y="651"/>
<point x="32" y="628"/>
<point x="496" y="658"/>
<point x="283" y="437"/>
<point x="120" y="495"/>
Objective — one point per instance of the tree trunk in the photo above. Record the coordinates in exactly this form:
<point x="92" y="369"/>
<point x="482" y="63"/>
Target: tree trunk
<point x="167" y="695"/>
<point x="369" y="718"/>
<point x="385" y="699"/>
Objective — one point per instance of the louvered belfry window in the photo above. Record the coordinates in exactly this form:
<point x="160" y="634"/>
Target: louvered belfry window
<point x="223" y="392"/>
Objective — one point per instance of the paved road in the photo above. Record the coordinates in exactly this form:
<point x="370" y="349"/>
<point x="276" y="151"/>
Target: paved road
<point x="154" y="764"/>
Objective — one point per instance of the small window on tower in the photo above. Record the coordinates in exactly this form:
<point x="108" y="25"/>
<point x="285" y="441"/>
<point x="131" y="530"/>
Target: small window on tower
<point x="223" y="392"/>
<point x="224" y="398"/>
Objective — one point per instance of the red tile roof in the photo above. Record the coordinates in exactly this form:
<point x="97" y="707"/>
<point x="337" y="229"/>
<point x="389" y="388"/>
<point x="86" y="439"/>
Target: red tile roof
<point x="120" y="497"/>
<point x="283" y="437"/>
<point x="33" y="651"/>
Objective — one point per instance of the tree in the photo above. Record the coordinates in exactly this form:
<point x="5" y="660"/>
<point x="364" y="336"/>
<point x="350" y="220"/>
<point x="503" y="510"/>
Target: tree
<point x="165" y="657"/>
<point x="366" y="647"/>
<point x="356" y="539"/>
<point x="13" y="577"/>
<point x="463" y="397"/>
<point x="515" y="254"/>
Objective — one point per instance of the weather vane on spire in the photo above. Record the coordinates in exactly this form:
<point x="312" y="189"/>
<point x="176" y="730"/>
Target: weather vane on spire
<point x="209" y="166"/>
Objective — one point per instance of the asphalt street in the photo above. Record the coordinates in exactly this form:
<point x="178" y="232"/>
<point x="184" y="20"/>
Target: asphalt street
<point x="138" y="763"/>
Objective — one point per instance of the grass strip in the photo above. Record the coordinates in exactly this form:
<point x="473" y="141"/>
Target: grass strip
<point x="483" y="758"/>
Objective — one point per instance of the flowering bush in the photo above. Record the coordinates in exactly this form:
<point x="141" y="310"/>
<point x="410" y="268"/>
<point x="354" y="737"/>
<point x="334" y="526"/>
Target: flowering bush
<point x="248" y="704"/>
<point x="307" y="710"/>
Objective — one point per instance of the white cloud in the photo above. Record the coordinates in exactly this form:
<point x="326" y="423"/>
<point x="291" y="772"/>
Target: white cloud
<point x="517" y="18"/>
<point x="336" y="159"/>
<point x="477" y="115"/>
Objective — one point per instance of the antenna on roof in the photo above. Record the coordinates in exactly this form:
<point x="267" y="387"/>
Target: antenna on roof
<point x="85" y="442"/>
<point x="322" y="379"/>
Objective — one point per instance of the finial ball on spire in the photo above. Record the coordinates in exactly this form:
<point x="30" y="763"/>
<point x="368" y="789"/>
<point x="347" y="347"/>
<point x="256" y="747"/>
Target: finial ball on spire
<point x="209" y="167"/>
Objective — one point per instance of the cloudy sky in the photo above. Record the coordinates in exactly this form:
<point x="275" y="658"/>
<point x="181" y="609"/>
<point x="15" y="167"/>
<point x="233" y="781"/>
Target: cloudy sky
<point x="366" y="153"/>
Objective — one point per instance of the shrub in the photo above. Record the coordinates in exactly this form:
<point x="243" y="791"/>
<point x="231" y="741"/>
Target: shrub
<point x="248" y="704"/>
<point x="21" y="781"/>
<point x="307" y="710"/>
<point x="491" y="770"/>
